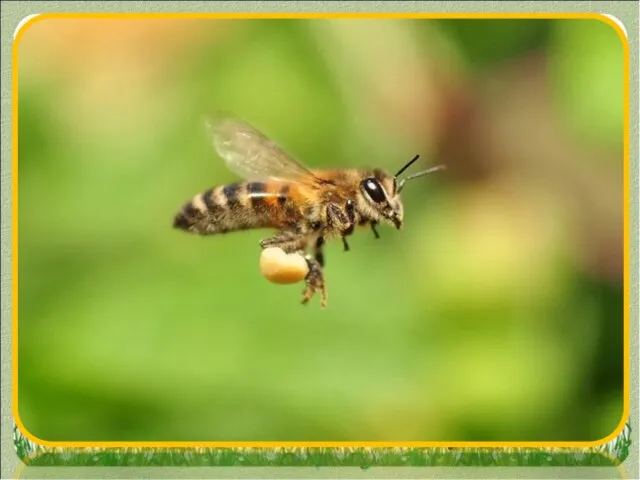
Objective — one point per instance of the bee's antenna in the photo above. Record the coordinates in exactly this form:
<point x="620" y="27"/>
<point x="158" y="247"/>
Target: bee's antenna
<point x="411" y="162"/>
<point x="419" y="174"/>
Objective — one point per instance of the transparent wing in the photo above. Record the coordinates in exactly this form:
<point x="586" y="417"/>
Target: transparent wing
<point x="251" y="155"/>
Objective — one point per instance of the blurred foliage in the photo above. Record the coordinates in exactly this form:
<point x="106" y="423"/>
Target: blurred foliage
<point x="508" y="38"/>
<point x="496" y="314"/>
<point x="590" y="50"/>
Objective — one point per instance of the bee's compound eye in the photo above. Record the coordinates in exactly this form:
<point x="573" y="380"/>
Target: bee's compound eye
<point x="374" y="190"/>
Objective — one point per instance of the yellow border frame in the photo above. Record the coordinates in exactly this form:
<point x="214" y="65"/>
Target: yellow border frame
<point x="287" y="15"/>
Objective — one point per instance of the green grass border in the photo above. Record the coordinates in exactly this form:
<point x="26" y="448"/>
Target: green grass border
<point x="609" y="454"/>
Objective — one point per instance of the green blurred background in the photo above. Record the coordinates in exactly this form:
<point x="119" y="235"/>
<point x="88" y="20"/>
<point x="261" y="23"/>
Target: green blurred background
<point x="495" y="314"/>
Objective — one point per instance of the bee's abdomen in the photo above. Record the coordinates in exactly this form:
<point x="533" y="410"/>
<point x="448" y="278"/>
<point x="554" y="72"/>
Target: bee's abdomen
<point x="237" y="206"/>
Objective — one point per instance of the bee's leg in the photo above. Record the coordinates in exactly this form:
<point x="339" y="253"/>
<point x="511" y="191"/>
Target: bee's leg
<point x="351" y="216"/>
<point x="319" y="254"/>
<point x="291" y="242"/>
<point x="277" y="240"/>
<point x="314" y="282"/>
<point x="345" y="233"/>
<point x="340" y="221"/>
<point x="288" y="241"/>
<point x="373" y="229"/>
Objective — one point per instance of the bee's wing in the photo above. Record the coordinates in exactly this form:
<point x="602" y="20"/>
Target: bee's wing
<point x="251" y="155"/>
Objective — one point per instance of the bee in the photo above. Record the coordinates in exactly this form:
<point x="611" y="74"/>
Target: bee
<point x="306" y="208"/>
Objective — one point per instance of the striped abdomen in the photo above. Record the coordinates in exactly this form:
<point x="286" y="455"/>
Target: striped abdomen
<point x="238" y="206"/>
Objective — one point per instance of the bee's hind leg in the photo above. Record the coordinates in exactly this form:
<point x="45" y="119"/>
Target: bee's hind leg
<point x="314" y="282"/>
<point x="288" y="241"/>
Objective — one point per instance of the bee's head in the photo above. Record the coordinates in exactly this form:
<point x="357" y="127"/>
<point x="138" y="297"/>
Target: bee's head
<point x="382" y="202"/>
<point x="381" y="193"/>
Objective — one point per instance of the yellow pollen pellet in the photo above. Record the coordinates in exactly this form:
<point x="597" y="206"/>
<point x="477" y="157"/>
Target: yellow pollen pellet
<point x="282" y="268"/>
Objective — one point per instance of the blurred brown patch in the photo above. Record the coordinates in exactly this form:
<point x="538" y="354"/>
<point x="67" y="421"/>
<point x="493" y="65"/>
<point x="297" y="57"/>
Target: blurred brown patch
<point x="508" y="124"/>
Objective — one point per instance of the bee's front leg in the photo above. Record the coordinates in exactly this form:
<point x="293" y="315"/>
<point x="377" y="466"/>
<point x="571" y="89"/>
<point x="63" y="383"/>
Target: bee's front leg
<point x="351" y="216"/>
<point x="341" y="221"/>
<point x="373" y="229"/>
<point x="315" y="282"/>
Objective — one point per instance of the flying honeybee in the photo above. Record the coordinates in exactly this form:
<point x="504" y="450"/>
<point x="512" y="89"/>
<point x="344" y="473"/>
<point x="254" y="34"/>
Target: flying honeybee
<point x="306" y="207"/>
